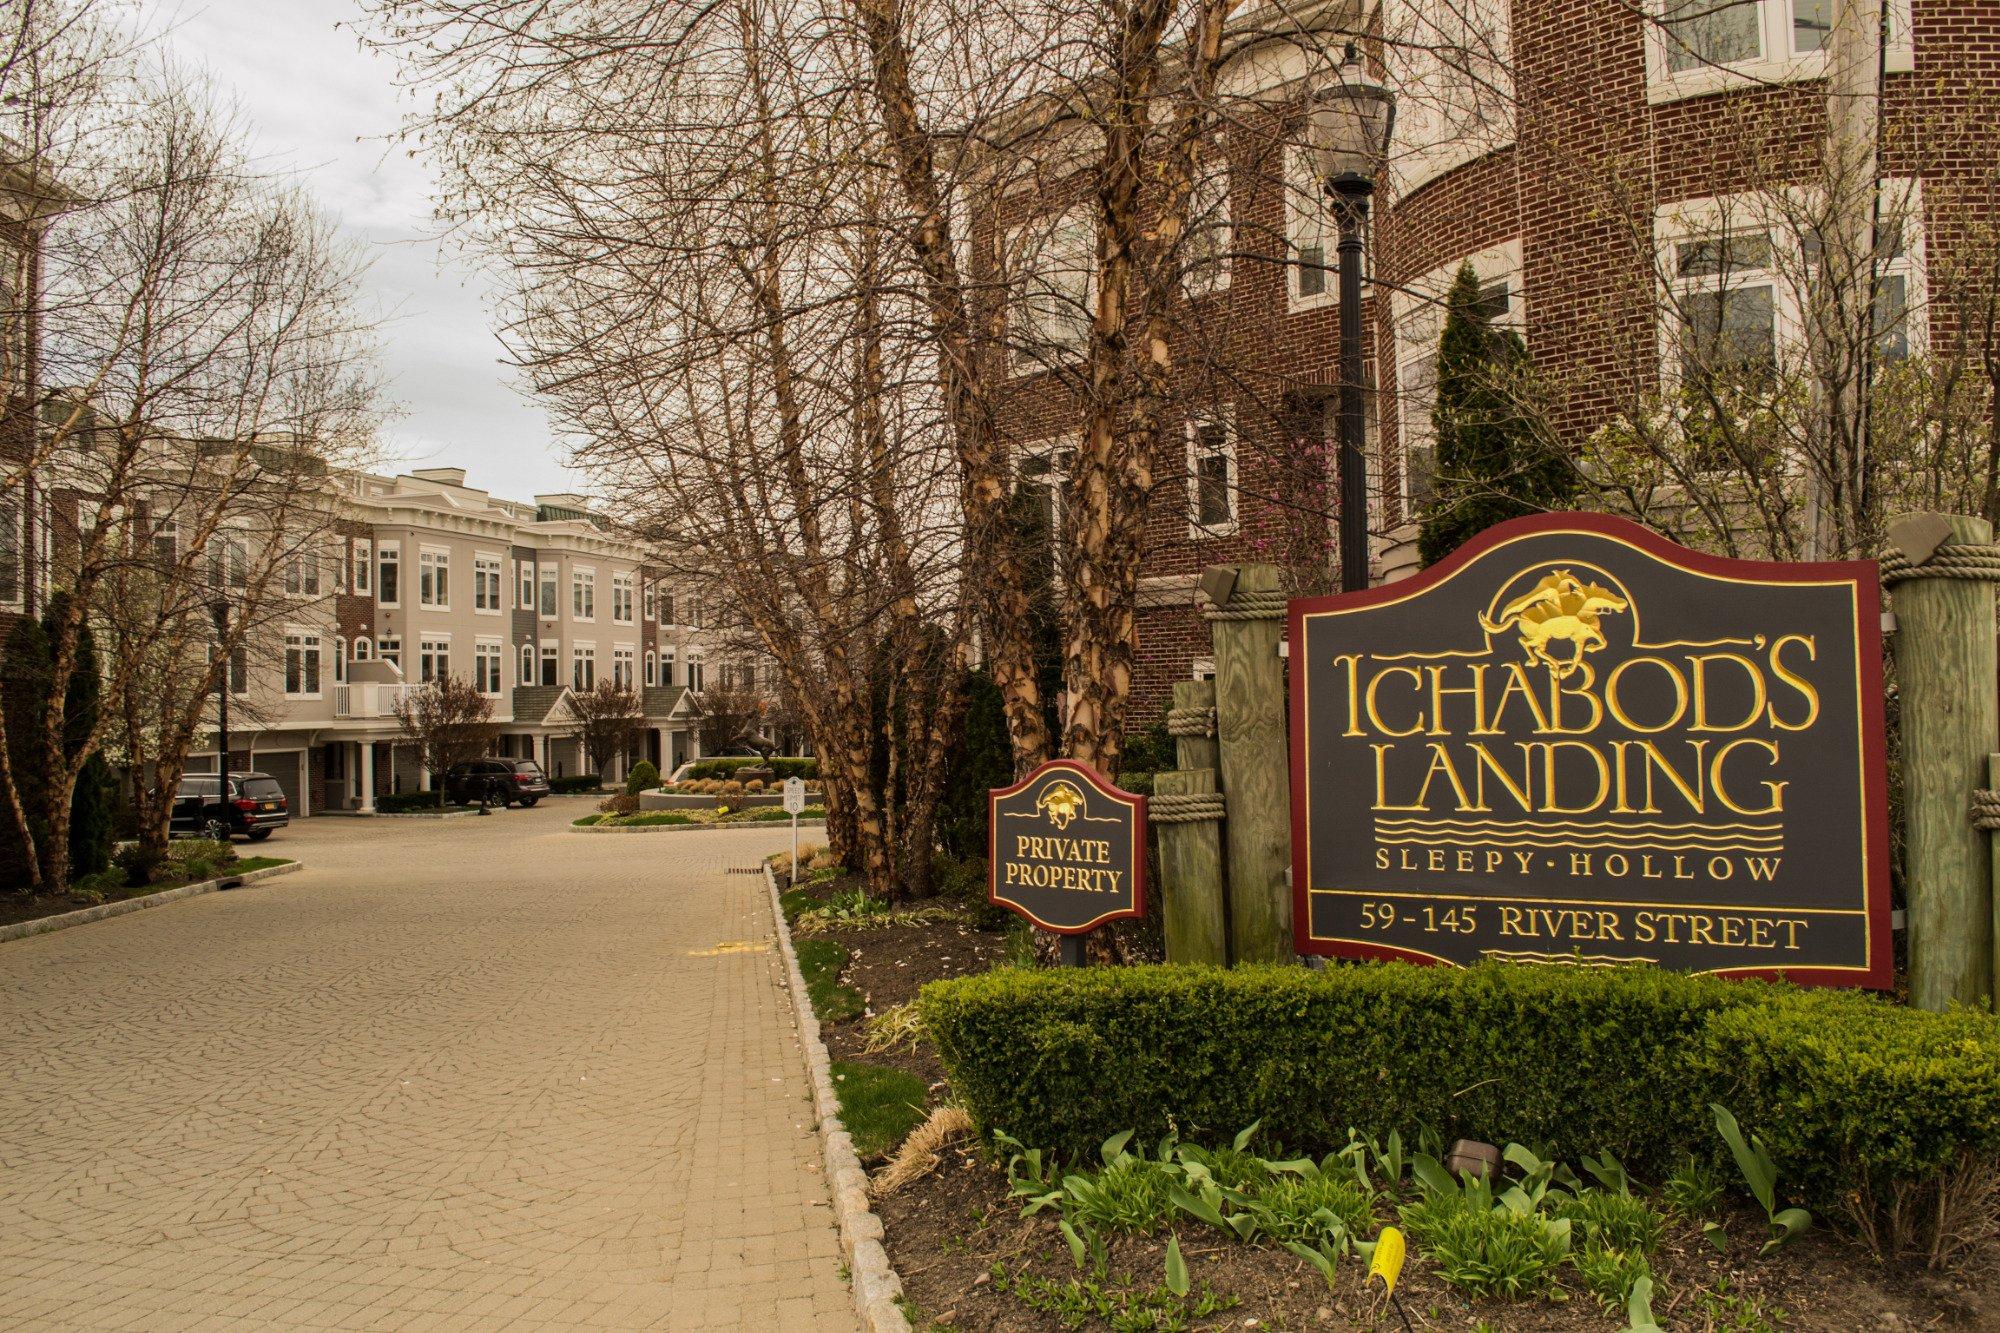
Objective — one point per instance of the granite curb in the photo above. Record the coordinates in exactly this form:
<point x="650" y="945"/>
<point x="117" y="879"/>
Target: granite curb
<point x="693" y="828"/>
<point x="20" y="930"/>
<point x="878" y="1292"/>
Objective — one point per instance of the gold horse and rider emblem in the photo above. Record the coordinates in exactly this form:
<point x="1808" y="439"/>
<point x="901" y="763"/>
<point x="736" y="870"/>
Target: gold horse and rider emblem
<point x="1561" y="609"/>
<point x="1061" y="802"/>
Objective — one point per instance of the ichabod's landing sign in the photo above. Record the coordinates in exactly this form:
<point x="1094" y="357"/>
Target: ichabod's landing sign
<point x="1068" y="848"/>
<point x="1576" y="741"/>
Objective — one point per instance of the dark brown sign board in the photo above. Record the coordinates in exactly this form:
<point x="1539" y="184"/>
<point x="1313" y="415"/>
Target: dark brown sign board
<point x="1575" y="741"/>
<point x="1067" y="850"/>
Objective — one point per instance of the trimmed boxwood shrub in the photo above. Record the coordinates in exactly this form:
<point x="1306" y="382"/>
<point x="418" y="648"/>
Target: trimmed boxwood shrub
<point x="402" y="802"/>
<point x="1851" y="1093"/>
<point x="643" y="777"/>
<point x="576" y="783"/>
<point x="726" y="765"/>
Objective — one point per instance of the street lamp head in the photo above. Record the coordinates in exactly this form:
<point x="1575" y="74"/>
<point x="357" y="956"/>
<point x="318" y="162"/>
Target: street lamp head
<point x="1352" y="116"/>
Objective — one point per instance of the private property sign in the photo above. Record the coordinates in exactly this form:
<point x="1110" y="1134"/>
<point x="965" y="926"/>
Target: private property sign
<point x="1574" y="741"/>
<point x="1067" y="849"/>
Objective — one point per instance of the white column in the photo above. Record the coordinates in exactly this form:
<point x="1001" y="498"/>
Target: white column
<point x="367" y="806"/>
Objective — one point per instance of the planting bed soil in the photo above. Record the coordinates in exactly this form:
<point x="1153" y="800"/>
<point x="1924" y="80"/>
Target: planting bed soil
<point x="947" y="1232"/>
<point x="968" y="1259"/>
<point x="21" y="907"/>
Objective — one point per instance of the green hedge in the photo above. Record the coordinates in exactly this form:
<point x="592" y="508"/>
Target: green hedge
<point x="728" y="764"/>
<point x="580" y="782"/>
<point x="1850" y="1092"/>
<point x="401" y="802"/>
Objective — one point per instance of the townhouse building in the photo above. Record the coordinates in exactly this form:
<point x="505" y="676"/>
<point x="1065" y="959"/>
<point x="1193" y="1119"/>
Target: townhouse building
<point x="1605" y="169"/>
<point x="426" y="576"/>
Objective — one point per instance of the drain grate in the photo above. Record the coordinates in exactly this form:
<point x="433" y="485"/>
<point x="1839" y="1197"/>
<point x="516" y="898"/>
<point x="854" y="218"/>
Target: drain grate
<point x="744" y="870"/>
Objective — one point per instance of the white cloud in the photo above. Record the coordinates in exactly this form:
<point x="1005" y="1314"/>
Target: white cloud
<point x="322" y="106"/>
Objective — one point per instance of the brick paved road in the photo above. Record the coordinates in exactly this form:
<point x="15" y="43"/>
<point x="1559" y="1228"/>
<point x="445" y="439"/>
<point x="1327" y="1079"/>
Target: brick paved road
<point x="454" y="1074"/>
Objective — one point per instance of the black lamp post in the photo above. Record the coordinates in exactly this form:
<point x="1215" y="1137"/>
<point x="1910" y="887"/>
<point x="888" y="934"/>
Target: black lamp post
<point x="220" y="610"/>
<point x="1352" y="118"/>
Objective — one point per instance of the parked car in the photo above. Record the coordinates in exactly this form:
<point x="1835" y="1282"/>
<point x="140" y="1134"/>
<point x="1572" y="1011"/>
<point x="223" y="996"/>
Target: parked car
<point x="255" y="806"/>
<point x="505" y="781"/>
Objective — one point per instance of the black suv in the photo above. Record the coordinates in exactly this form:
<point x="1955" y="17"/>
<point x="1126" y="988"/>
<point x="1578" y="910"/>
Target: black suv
<point x="501" y="781"/>
<point x="255" y="806"/>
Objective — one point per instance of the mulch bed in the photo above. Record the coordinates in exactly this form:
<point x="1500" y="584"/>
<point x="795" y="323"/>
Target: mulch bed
<point x="948" y="1230"/>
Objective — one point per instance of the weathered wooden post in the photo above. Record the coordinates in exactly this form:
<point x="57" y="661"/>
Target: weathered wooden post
<point x="1247" y="618"/>
<point x="1188" y="812"/>
<point x="1942" y="567"/>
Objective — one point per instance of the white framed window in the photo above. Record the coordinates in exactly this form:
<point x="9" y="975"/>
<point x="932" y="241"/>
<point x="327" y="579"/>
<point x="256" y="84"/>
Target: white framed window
<point x="364" y="649"/>
<point x="667" y="667"/>
<point x="488" y="589"/>
<point x="1211" y="234"/>
<point x="1418" y="313"/>
<point x="527" y="676"/>
<point x="166" y="545"/>
<point x="666" y="607"/>
<point x="302" y="575"/>
<point x="389" y="648"/>
<point x="694" y="672"/>
<point x="652" y="667"/>
<point x="361" y="554"/>
<point x="434" y="578"/>
<point x="583" y="594"/>
<point x="302" y="662"/>
<point x="524" y="585"/>
<point x="583" y="665"/>
<point x="1051" y="284"/>
<point x="1698" y="47"/>
<point x="621" y="598"/>
<point x="389" y="574"/>
<point x="13" y="552"/>
<point x="550" y="664"/>
<point x="239" y="668"/>
<point x="486" y="668"/>
<point x="1451" y="65"/>
<point x="652" y="600"/>
<point x="339" y="659"/>
<point x="1738" y="272"/>
<point x="692" y="610"/>
<point x="547" y="578"/>
<point x="1211" y="476"/>
<point x="1042" y="472"/>
<point x="228" y="558"/>
<point x="624" y="667"/>
<point x="1310" y="235"/>
<point x="433" y="657"/>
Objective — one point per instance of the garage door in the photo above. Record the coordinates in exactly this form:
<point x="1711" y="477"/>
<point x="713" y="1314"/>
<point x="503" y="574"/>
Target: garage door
<point x="284" y="766"/>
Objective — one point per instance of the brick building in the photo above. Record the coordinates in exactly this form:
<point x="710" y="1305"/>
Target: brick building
<point x="1585" y="160"/>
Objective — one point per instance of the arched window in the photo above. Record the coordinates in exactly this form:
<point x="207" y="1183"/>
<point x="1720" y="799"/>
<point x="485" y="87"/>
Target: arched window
<point x="652" y="667"/>
<point x="527" y="664"/>
<point x="339" y="659"/>
<point x="363" y="649"/>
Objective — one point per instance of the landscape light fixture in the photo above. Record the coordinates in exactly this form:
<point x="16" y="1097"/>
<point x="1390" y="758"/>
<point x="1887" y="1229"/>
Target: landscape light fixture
<point x="1352" y="117"/>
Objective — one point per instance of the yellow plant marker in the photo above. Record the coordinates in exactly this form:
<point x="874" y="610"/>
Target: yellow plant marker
<point x="1388" y="1261"/>
<point x="731" y="946"/>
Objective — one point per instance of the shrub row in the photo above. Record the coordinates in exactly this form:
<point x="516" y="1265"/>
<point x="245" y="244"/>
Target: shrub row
<point x="401" y="802"/>
<point x="784" y="767"/>
<point x="1854" y="1095"/>
<point x="575" y="783"/>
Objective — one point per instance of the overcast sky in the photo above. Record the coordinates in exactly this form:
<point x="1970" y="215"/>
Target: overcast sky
<point x="322" y="107"/>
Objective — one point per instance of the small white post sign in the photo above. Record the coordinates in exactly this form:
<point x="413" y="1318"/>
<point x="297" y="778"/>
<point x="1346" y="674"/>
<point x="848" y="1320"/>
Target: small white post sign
<point x="795" y="801"/>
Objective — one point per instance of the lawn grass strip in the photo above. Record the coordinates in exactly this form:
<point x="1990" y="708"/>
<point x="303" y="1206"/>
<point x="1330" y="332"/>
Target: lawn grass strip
<point x="878" y="1292"/>
<point x="687" y="828"/>
<point x="83" y="916"/>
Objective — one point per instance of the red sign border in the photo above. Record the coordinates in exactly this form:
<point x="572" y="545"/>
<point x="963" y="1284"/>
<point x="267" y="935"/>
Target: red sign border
<point x="1866" y="577"/>
<point x="1099" y="784"/>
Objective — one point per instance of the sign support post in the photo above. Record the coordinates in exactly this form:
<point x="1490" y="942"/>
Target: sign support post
<point x="1248" y="625"/>
<point x="795" y="803"/>
<point x="1195" y="921"/>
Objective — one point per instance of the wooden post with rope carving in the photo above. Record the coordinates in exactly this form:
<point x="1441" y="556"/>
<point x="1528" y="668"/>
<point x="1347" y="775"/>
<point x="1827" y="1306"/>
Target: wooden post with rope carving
<point x="1187" y="809"/>
<point x="1247" y="621"/>
<point x="1941" y="569"/>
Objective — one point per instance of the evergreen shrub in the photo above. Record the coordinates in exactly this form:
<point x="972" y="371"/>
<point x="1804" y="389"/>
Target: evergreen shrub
<point x="577" y="783"/>
<point x="1853" y="1094"/>
<point x="643" y="777"/>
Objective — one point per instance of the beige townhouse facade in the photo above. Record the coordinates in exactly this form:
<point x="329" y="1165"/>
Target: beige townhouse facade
<point x="426" y="576"/>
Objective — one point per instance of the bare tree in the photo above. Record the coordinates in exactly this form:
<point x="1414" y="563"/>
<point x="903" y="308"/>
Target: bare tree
<point x="603" y="720"/>
<point x="447" y="721"/>
<point x="728" y="718"/>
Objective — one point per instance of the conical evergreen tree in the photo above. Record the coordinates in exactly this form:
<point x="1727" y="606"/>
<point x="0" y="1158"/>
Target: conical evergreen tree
<point x="90" y="810"/>
<point x="1492" y="464"/>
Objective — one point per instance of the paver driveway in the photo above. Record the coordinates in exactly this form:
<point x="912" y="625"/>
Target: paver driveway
<point x="456" y="1073"/>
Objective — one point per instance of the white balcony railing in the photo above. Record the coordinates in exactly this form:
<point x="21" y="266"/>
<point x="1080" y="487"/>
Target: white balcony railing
<point x="368" y="698"/>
